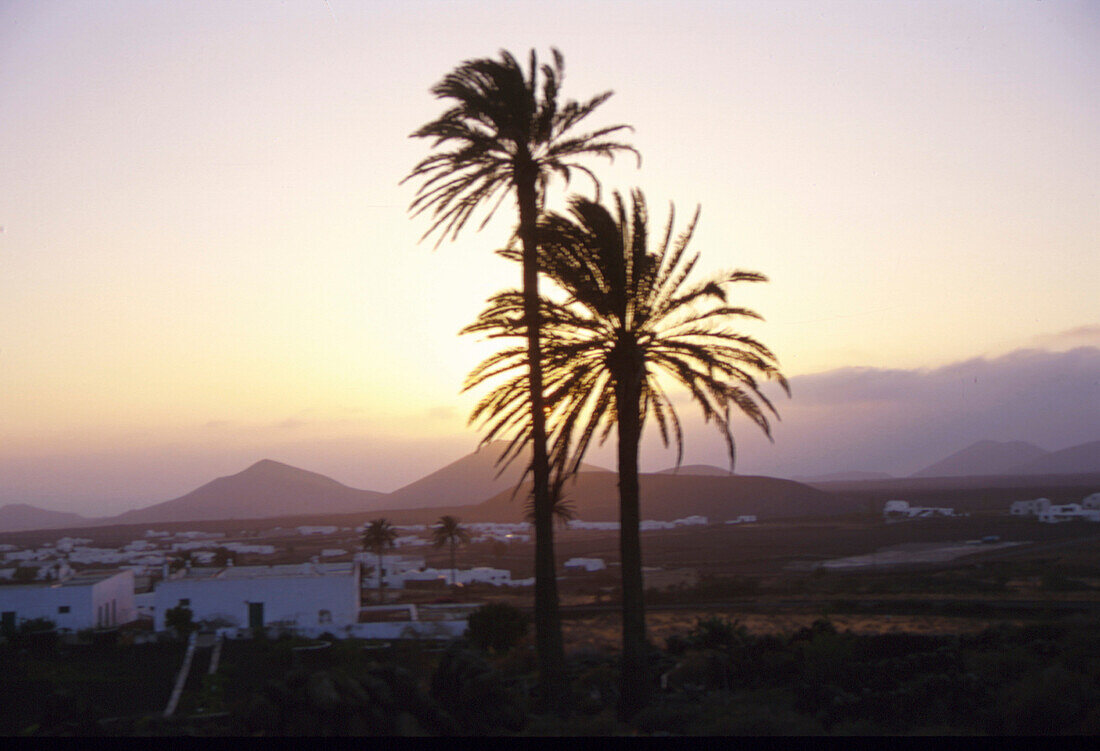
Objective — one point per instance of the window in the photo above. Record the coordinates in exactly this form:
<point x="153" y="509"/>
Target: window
<point x="63" y="609"/>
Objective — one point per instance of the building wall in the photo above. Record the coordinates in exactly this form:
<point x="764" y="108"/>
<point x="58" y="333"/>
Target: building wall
<point x="1030" y="508"/>
<point x="38" y="601"/>
<point x="113" y="599"/>
<point x="109" y="602"/>
<point x="299" y="599"/>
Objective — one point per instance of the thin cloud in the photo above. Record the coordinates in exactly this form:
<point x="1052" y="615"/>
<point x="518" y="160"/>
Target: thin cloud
<point x="899" y="421"/>
<point x="441" y="412"/>
<point x="1081" y="336"/>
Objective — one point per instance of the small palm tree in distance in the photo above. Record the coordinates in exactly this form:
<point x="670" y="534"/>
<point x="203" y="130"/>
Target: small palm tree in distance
<point x="378" y="536"/>
<point x="448" y="531"/>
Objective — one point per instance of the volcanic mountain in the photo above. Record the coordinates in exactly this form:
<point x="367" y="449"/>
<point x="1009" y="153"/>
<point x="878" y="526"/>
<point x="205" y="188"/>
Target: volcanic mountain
<point x="707" y="470"/>
<point x="267" y="488"/>
<point x="850" y="476"/>
<point x="17" y="516"/>
<point x="665" y="497"/>
<point x="984" y="458"/>
<point x="1083" y="458"/>
<point x="468" y="481"/>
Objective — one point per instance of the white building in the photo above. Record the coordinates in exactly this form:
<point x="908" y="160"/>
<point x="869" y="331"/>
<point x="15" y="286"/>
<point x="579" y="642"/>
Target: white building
<point x="901" y="511"/>
<point x="320" y="530"/>
<point x="92" y="600"/>
<point x="404" y="541"/>
<point x="646" y="525"/>
<point x="1029" y="508"/>
<point x="479" y="575"/>
<point x="1068" y="512"/>
<point x="743" y="519"/>
<point x="599" y="526"/>
<point x="394" y="567"/>
<point x="193" y="535"/>
<point x="243" y="547"/>
<point x="299" y="595"/>
<point x="1092" y="502"/>
<point x="587" y="564"/>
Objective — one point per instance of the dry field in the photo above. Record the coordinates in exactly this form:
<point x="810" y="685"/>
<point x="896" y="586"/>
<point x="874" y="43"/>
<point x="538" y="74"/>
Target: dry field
<point x="602" y="632"/>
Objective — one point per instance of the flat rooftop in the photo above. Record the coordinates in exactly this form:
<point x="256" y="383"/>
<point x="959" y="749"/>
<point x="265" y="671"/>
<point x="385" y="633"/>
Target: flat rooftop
<point x="257" y="572"/>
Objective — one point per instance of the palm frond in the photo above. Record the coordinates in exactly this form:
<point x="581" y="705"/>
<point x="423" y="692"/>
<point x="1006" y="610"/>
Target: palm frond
<point x="619" y="293"/>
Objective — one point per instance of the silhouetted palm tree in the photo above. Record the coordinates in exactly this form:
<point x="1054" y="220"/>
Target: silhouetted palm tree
<point x="378" y="536"/>
<point x="448" y="531"/>
<point x="564" y="509"/>
<point x="630" y="323"/>
<point x="505" y="131"/>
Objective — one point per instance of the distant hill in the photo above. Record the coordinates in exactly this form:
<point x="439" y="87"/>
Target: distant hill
<point x="969" y="493"/>
<point x="984" y="458"/>
<point x="845" y="477"/>
<point x="1078" y="459"/>
<point x="665" y="497"/>
<point x="19" y="516"/>
<point x="706" y="470"/>
<point x="267" y="488"/>
<point x="465" y="482"/>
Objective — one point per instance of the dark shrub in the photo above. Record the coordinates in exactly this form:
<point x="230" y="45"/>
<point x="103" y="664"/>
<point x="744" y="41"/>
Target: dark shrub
<point x="672" y="714"/>
<point x="751" y="714"/>
<point x="481" y="700"/>
<point x="383" y="700"/>
<point x="1053" y="702"/>
<point x="180" y="619"/>
<point x="496" y="626"/>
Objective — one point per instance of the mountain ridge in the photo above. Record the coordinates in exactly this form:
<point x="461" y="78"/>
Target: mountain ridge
<point x="983" y="457"/>
<point x="265" y="488"/>
<point x="17" y="517"/>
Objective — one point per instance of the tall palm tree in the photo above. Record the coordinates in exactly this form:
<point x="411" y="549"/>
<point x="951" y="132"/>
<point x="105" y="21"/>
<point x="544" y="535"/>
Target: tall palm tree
<point x="448" y="531"/>
<point x="378" y="536"/>
<point x="506" y="131"/>
<point x="630" y="323"/>
<point x="564" y="510"/>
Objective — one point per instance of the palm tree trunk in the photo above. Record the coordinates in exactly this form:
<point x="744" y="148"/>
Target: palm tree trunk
<point x="380" y="600"/>
<point x="635" y="687"/>
<point x="452" y="563"/>
<point x="548" y="640"/>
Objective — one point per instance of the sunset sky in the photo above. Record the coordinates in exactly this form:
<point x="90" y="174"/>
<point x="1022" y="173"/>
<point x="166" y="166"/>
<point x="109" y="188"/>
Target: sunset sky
<point x="206" y="258"/>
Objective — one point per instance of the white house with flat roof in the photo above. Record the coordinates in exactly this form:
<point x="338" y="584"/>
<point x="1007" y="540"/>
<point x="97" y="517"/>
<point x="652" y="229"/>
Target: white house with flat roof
<point x="1033" y="507"/>
<point x="303" y="595"/>
<point x="89" y="600"/>
<point x="587" y="564"/>
<point x="1068" y="512"/>
<point x="901" y="511"/>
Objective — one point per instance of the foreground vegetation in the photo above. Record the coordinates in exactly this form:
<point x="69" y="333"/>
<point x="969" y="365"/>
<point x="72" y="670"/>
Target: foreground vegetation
<point x="712" y="678"/>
